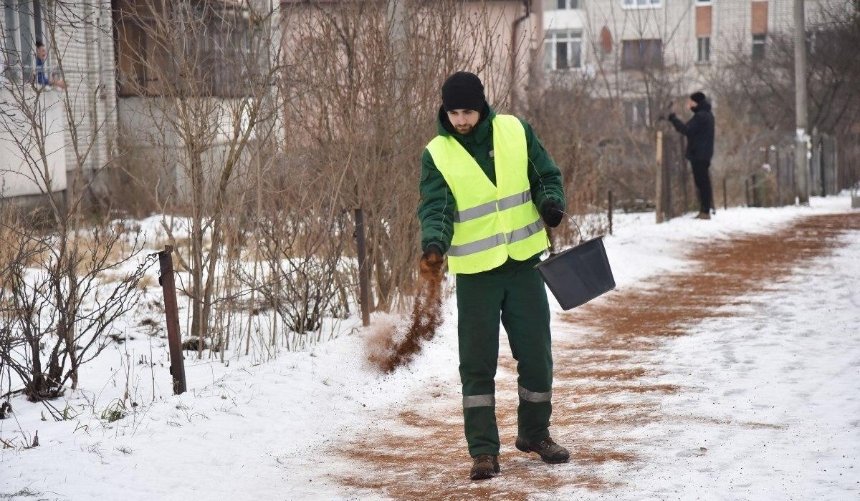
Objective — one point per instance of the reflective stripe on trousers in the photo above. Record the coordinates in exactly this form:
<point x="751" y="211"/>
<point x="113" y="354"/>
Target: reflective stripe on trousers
<point x="535" y="396"/>
<point x="479" y="401"/>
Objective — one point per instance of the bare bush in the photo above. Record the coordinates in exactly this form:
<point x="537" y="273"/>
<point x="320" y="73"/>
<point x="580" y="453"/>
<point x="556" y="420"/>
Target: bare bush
<point x="303" y="250"/>
<point x="55" y="309"/>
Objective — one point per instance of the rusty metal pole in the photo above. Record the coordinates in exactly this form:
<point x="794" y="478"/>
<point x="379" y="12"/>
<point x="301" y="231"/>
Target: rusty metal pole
<point x="171" y="311"/>
<point x="659" y="211"/>
<point x="363" y="276"/>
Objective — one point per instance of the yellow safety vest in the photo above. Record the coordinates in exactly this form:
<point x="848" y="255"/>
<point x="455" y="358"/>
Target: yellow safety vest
<point x="492" y="222"/>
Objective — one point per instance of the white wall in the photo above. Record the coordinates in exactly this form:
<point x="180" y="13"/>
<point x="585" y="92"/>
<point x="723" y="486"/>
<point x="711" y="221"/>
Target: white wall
<point x="19" y="177"/>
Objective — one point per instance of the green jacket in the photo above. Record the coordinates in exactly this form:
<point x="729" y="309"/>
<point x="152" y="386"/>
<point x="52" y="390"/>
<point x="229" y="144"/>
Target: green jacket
<point x="436" y="208"/>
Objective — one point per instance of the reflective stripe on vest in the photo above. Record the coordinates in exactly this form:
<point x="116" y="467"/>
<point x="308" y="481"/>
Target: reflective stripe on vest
<point x="492" y="222"/>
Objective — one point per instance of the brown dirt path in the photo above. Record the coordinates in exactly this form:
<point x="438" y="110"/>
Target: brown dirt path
<point x="606" y="360"/>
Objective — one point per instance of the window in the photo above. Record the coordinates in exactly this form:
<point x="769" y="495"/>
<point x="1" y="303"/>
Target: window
<point x="641" y="54"/>
<point x="218" y="40"/>
<point x="636" y="112"/>
<point x="567" y="4"/>
<point x="758" y="43"/>
<point x="22" y="28"/>
<point x="563" y="50"/>
<point x="703" y="52"/>
<point x="641" y="4"/>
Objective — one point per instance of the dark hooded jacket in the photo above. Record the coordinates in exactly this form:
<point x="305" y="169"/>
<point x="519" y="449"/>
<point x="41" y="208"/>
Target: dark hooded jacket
<point x="437" y="206"/>
<point x="699" y="131"/>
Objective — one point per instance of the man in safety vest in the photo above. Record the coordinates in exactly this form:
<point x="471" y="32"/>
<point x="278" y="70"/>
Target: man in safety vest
<point x="487" y="189"/>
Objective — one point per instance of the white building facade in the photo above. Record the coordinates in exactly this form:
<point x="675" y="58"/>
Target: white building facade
<point x="60" y="117"/>
<point x="619" y="40"/>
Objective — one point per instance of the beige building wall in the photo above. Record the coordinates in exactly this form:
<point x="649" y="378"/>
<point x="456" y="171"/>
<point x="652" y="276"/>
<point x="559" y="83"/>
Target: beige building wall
<point x="679" y="24"/>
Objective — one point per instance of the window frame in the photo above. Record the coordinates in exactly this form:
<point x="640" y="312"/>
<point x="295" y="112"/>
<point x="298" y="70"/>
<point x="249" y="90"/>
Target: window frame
<point x="759" y="40"/>
<point x="637" y="112"/>
<point x="641" y="63"/>
<point x="19" y="61"/>
<point x="706" y="42"/>
<point x="568" y="4"/>
<point x="634" y="4"/>
<point x="568" y="37"/>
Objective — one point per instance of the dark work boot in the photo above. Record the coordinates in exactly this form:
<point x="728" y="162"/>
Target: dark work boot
<point x="484" y="466"/>
<point x="547" y="449"/>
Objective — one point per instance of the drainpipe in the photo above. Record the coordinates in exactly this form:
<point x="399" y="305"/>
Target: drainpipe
<point x="514" y="29"/>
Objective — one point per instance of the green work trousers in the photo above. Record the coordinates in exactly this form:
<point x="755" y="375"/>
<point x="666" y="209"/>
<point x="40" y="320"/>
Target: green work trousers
<point x="515" y="292"/>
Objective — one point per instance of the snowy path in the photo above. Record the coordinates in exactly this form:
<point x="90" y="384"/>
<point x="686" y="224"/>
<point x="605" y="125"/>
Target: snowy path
<point x="699" y="385"/>
<point x="736" y="378"/>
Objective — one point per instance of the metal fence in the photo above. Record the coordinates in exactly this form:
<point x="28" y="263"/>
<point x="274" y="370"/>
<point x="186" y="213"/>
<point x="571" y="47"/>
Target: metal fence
<point x="773" y="184"/>
<point x="768" y="184"/>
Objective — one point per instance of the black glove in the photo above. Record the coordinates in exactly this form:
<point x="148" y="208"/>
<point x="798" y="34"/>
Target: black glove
<point x="431" y="262"/>
<point x="551" y="212"/>
<point x="671" y="116"/>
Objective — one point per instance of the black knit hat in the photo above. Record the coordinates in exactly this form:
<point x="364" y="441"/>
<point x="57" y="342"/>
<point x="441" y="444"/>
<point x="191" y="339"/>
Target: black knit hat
<point x="698" y="97"/>
<point x="463" y="91"/>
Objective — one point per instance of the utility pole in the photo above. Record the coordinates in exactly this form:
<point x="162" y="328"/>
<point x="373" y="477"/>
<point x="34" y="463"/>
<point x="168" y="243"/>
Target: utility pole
<point x="801" y="168"/>
<point x="398" y="12"/>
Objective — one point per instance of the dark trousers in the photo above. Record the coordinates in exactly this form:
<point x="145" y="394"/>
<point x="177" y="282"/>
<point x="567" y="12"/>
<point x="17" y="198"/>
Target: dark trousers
<point x="702" y="178"/>
<point x="514" y="294"/>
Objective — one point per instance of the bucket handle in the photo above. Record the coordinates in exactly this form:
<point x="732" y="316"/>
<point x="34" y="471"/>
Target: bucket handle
<point x="570" y="218"/>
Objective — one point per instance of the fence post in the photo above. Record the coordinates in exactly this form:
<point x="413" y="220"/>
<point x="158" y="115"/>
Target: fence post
<point x="609" y="197"/>
<point x="778" y="172"/>
<point x="659" y="183"/>
<point x="725" y="195"/>
<point x="171" y="312"/>
<point x="363" y="278"/>
<point x="756" y="199"/>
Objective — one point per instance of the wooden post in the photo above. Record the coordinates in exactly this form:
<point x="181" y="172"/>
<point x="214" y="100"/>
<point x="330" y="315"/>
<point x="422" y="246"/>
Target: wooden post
<point x="659" y="184"/>
<point x="778" y="181"/>
<point x="725" y="194"/>
<point x="363" y="275"/>
<point x="609" y="202"/>
<point x="755" y="192"/>
<point x="171" y="312"/>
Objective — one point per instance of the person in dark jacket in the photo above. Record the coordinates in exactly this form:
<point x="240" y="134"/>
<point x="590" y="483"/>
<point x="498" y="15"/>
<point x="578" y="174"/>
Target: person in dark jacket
<point x="700" y="148"/>
<point x="488" y="188"/>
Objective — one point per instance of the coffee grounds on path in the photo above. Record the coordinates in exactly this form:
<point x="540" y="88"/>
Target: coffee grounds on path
<point x="606" y="355"/>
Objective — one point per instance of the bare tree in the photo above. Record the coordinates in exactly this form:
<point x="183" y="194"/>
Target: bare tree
<point x="55" y="303"/>
<point x="205" y="76"/>
<point x="756" y="93"/>
<point x="360" y="107"/>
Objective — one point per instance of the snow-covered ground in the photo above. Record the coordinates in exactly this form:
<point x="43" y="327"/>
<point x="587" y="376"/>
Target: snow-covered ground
<point x="248" y="431"/>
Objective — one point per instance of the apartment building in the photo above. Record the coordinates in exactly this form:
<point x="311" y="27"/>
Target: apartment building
<point x="622" y="40"/>
<point x="74" y="85"/>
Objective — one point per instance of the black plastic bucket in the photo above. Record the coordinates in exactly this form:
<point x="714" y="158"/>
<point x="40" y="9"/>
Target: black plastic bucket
<point x="579" y="274"/>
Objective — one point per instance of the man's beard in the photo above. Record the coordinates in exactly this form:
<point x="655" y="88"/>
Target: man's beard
<point x="464" y="129"/>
